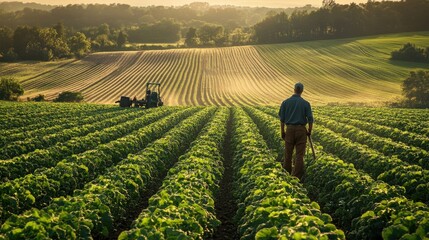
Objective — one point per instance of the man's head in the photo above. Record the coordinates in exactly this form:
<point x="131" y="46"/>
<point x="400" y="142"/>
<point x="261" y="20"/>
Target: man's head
<point x="299" y="88"/>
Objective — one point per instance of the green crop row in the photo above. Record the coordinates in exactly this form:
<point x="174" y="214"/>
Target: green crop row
<point x="94" y="211"/>
<point x="388" y="169"/>
<point x="27" y="115"/>
<point x="380" y="117"/>
<point x="45" y="140"/>
<point x="42" y="128"/>
<point x="272" y="204"/>
<point x="367" y="209"/>
<point x="386" y="146"/>
<point x="184" y="206"/>
<point x="395" y="134"/>
<point x="113" y="129"/>
<point x="38" y="189"/>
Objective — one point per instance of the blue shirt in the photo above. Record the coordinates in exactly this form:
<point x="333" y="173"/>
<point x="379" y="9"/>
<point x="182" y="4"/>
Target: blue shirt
<point x="295" y="111"/>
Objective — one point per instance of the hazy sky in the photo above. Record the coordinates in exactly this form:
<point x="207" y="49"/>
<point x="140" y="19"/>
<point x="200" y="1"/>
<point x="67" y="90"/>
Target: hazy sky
<point x="252" y="3"/>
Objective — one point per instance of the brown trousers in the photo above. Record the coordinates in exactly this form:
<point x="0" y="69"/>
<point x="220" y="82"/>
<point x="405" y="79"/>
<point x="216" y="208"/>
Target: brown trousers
<point x="296" y="137"/>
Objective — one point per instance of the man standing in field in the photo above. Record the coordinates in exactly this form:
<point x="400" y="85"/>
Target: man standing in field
<point x="295" y="113"/>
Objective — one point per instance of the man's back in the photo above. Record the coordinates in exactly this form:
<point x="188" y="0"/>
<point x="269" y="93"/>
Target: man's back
<point x="295" y="111"/>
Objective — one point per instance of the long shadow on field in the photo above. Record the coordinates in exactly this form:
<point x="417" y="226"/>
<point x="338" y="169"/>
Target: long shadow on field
<point x="226" y="207"/>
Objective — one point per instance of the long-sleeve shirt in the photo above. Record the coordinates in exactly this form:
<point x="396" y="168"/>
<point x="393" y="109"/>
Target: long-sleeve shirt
<point x="295" y="111"/>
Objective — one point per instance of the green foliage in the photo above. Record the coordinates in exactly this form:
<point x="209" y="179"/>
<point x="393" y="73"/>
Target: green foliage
<point x="10" y="56"/>
<point x="416" y="89"/>
<point x="240" y="36"/>
<point x="69" y="97"/>
<point x="10" y="89"/>
<point x="39" y="44"/>
<point x="79" y="44"/>
<point x="267" y="196"/>
<point x="164" y="31"/>
<point x="184" y="206"/>
<point x="102" y="42"/>
<point x="39" y="98"/>
<point x="338" y="21"/>
<point x="192" y="39"/>
<point x="97" y="208"/>
<point x="211" y="35"/>
<point x="409" y="52"/>
<point x="122" y="39"/>
<point x="366" y="208"/>
<point x="60" y="29"/>
<point x="81" y="168"/>
<point x="89" y="173"/>
<point x="6" y="40"/>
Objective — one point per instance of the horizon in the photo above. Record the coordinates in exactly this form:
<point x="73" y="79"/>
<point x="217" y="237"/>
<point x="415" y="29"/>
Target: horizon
<point x="253" y="3"/>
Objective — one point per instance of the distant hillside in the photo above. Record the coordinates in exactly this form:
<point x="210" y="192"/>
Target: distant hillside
<point x="18" y="6"/>
<point x="346" y="70"/>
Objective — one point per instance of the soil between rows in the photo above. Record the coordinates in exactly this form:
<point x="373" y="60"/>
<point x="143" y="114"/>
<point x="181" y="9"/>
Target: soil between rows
<point x="225" y="205"/>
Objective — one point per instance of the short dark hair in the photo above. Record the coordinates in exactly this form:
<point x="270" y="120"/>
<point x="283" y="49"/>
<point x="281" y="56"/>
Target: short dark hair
<point x="299" y="87"/>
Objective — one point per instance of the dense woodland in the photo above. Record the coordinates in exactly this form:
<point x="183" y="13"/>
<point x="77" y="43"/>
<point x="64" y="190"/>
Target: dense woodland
<point x="340" y="21"/>
<point x="74" y="30"/>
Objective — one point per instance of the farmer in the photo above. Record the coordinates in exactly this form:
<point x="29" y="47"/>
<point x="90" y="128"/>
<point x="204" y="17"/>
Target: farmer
<point x="295" y="113"/>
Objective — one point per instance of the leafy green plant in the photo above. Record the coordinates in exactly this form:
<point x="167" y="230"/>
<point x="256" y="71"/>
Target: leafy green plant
<point x="38" y="189"/>
<point x="10" y="89"/>
<point x="103" y="202"/>
<point x="351" y="197"/>
<point x="110" y="129"/>
<point x="184" y="206"/>
<point x="267" y="196"/>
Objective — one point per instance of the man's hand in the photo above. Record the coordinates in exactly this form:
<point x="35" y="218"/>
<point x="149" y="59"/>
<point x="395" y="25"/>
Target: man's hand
<point x="310" y="127"/>
<point x="284" y="136"/>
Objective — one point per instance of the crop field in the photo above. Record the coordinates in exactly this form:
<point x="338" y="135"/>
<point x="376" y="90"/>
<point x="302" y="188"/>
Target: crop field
<point x="347" y="70"/>
<point x="86" y="171"/>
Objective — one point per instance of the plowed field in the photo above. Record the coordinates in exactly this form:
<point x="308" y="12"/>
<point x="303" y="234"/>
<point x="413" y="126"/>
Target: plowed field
<point x="349" y="70"/>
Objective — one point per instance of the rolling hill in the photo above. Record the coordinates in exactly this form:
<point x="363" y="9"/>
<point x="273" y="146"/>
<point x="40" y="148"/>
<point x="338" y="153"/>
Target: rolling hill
<point x="346" y="70"/>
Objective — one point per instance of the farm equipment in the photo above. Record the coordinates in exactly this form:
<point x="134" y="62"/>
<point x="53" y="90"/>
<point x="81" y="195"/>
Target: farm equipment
<point x="152" y="98"/>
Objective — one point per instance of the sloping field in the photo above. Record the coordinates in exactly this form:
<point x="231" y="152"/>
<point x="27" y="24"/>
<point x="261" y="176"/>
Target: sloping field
<point x="348" y="70"/>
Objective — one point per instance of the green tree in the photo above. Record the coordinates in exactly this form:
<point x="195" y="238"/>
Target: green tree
<point x="328" y="4"/>
<point x="104" y="29"/>
<point x="69" y="97"/>
<point x="409" y="52"/>
<point x="122" y="39"/>
<point x="239" y="37"/>
<point x="416" y="88"/>
<point x="10" y="89"/>
<point x="192" y="39"/>
<point x="60" y="29"/>
<point x="102" y="42"/>
<point x="46" y="46"/>
<point x="6" y="39"/>
<point x="79" y="44"/>
<point x="210" y="34"/>
<point x="39" y="44"/>
<point x="22" y="36"/>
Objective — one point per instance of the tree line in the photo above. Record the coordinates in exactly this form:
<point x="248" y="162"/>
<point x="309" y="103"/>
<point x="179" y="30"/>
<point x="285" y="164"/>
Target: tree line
<point x="35" y="43"/>
<point x="334" y="20"/>
<point x="41" y="33"/>
<point x="79" y="16"/>
<point x="96" y="27"/>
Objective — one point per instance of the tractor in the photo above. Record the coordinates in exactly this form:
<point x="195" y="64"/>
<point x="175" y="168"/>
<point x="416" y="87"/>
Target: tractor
<point x="151" y="100"/>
